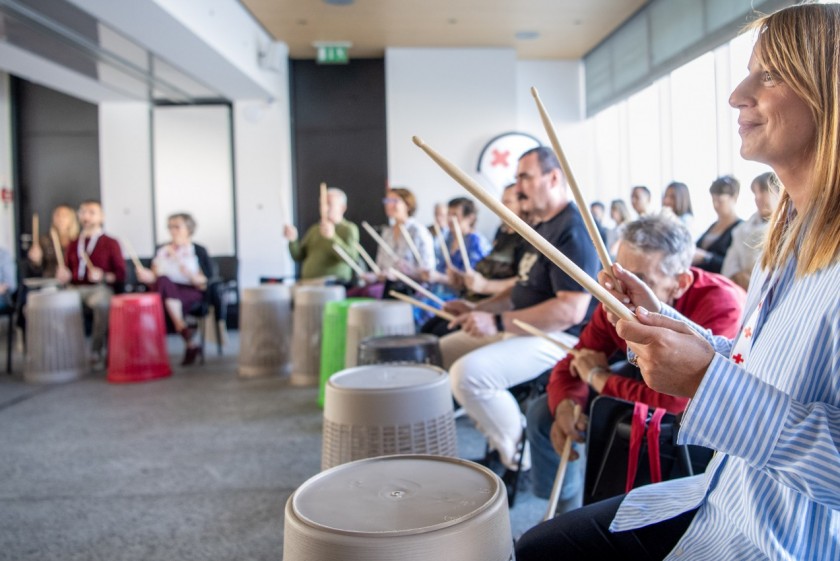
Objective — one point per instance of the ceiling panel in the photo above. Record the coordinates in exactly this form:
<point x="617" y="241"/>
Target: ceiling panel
<point x="564" y="29"/>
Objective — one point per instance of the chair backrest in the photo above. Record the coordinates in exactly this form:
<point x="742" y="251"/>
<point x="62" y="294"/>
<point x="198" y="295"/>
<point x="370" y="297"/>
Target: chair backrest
<point x="608" y="447"/>
<point x="228" y="267"/>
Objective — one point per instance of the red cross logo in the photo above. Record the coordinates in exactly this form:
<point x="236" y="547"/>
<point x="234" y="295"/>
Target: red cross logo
<point x="499" y="158"/>
<point x="738" y="358"/>
<point x="748" y="332"/>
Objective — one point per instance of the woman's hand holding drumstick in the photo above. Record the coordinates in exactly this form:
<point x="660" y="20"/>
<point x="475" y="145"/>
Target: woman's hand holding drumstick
<point x="672" y="357"/>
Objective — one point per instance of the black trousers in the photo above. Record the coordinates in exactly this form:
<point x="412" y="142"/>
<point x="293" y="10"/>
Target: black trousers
<point x="584" y="534"/>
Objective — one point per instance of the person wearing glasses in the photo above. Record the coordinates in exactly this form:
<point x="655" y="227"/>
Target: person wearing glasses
<point x="490" y="353"/>
<point x="712" y="245"/>
<point x="400" y="207"/>
<point x="179" y="273"/>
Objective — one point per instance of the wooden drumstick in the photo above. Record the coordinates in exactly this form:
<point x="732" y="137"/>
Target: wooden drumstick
<point x="412" y="246"/>
<point x="462" y="247"/>
<point x="583" y="206"/>
<point x="324" y="204"/>
<point x="561" y="471"/>
<point x="88" y="262"/>
<point x="439" y="313"/>
<point x="528" y="328"/>
<point x="366" y="256"/>
<point x="133" y="255"/>
<point x="349" y="260"/>
<point x="610" y="302"/>
<point x="382" y="243"/>
<point x="36" y="230"/>
<point x="416" y="286"/>
<point x="443" y="249"/>
<point x="59" y="253"/>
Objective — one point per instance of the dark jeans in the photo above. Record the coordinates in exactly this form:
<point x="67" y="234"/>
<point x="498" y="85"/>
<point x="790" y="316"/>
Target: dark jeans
<point x="584" y="534"/>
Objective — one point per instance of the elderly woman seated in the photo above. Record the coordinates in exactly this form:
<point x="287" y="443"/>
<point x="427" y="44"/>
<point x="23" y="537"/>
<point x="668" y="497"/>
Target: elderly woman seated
<point x="179" y="273"/>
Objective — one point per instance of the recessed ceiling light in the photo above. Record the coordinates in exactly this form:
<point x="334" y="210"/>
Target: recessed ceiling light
<point x="527" y="35"/>
<point x="339" y="2"/>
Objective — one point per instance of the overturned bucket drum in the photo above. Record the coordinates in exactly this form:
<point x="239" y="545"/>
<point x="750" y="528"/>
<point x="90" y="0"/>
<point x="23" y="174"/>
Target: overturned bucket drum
<point x="409" y="508"/>
<point x="384" y="409"/>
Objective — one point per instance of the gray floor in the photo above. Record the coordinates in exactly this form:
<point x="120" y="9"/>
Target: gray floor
<point x="196" y="466"/>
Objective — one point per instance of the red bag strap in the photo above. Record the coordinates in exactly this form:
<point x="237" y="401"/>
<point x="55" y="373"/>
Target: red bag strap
<point x="654" y="430"/>
<point x="637" y="434"/>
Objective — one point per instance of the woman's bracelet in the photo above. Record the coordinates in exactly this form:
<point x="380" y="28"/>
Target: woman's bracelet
<point x="595" y="370"/>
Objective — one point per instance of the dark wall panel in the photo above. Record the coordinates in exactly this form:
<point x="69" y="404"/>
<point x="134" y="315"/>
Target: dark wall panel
<point x="57" y="151"/>
<point x="338" y="114"/>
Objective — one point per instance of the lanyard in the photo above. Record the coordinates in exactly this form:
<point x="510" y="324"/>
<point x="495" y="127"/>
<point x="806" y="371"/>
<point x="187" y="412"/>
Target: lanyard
<point x="80" y="248"/>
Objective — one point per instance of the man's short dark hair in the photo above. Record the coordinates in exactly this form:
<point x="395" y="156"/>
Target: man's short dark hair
<point x="546" y="157"/>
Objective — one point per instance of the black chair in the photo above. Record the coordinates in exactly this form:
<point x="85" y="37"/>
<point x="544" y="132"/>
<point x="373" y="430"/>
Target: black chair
<point x="608" y="446"/>
<point x="9" y="311"/>
<point x="224" y="293"/>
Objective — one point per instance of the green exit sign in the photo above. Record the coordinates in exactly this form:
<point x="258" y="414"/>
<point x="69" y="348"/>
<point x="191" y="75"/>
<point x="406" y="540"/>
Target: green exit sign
<point x="332" y="54"/>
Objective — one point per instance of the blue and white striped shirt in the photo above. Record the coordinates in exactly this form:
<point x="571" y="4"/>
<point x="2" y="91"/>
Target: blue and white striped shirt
<point x="772" y="491"/>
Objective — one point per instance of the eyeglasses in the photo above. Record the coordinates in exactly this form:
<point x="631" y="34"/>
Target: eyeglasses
<point x="386" y="200"/>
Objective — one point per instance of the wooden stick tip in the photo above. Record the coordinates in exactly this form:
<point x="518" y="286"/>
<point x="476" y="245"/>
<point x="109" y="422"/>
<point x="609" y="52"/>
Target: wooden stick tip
<point x="418" y="141"/>
<point x="534" y="92"/>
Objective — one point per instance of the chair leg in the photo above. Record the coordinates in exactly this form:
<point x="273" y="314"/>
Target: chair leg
<point x="201" y="322"/>
<point x="10" y="343"/>
<point x="218" y="327"/>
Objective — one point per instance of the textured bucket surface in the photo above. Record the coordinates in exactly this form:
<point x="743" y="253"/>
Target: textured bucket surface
<point x="334" y="340"/>
<point x="414" y="494"/>
<point x="55" y="350"/>
<point x="137" y="339"/>
<point x="383" y="377"/>
<point x="265" y="325"/>
<point x="407" y="508"/>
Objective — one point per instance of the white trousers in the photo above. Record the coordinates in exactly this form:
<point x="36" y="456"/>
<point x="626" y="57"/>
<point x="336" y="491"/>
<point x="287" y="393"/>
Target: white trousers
<point x="482" y="369"/>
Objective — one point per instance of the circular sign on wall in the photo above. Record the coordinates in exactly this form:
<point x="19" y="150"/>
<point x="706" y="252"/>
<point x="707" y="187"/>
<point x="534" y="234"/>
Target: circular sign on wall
<point x="497" y="161"/>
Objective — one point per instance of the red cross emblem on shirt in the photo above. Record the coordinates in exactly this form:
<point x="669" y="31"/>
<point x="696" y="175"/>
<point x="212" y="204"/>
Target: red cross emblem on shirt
<point x="499" y="158"/>
<point x="748" y="332"/>
<point x="738" y="358"/>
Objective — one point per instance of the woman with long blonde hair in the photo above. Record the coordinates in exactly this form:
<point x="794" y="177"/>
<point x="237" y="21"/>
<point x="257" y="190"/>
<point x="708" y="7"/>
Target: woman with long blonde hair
<point x="767" y="402"/>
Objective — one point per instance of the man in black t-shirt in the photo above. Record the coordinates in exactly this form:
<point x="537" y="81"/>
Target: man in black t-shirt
<point x="490" y="354"/>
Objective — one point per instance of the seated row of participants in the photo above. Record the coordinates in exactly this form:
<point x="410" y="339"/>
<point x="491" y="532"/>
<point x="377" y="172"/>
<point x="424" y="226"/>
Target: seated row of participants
<point x="92" y="263"/>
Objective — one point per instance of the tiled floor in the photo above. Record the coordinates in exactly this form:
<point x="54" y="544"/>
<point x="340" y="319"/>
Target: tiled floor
<point x="196" y="466"/>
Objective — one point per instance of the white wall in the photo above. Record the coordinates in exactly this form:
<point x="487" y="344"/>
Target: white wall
<point x="560" y="84"/>
<point x="262" y="146"/>
<point x="456" y="100"/>
<point x="125" y="173"/>
<point x="193" y="172"/>
<point x="459" y="99"/>
<point x="7" y="212"/>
